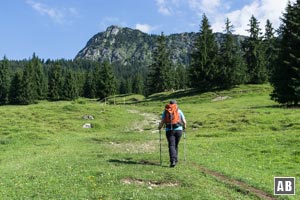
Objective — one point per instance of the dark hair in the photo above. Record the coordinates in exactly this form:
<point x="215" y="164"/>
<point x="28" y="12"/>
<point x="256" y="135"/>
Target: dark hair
<point x="173" y="102"/>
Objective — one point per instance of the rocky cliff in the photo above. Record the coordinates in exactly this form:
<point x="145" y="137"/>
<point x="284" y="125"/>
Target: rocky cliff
<point x="126" y="45"/>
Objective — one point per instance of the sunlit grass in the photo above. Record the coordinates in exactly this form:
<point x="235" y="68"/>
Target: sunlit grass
<point x="46" y="154"/>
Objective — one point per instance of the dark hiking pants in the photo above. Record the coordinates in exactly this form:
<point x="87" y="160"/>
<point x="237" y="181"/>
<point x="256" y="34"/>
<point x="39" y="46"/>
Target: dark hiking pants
<point x="173" y="141"/>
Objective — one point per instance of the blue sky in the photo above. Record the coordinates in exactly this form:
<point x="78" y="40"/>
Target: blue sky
<point x="61" y="28"/>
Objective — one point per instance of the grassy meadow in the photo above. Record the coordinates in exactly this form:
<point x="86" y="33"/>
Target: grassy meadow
<point x="45" y="153"/>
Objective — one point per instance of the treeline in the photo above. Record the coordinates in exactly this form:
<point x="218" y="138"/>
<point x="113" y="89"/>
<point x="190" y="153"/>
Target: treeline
<point x="28" y="81"/>
<point x="217" y="65"/>
<point x="260" y="58"/>
<point x="256" y="60"/>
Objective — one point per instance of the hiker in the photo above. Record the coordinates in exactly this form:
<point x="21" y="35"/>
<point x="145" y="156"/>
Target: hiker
<point x="174" y="121"/>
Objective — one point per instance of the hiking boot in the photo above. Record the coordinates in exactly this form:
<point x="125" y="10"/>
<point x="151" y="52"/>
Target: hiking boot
<point x="173" y="164"/>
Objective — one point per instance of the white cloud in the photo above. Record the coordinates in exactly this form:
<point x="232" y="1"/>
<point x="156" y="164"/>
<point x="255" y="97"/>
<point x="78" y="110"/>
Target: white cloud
<point x="59" y="16"/>
<point x="73" y="11"/>
<point x="163" y="8"/>
<point x="218" y="10"/>
<point x="261" y="10"/>
<point x="240" y="18"/>
<point x="191" y="12"/>
<point x="146" y="28"/>
<point x="272" y="11"/>
<point x="43" y="9"/>
<point x="204" y="6"/>
<point x="108" y="21"/>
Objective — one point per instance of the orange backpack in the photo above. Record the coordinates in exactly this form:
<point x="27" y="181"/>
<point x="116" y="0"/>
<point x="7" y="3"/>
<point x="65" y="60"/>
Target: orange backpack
<point x="172" y="116"/>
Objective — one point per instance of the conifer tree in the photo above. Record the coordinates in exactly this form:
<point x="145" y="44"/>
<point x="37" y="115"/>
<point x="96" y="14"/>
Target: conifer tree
<point x="138" y="84"/>
<point x="286" y="76"/>
<point x="122" y="86"/>
<point x="15" y="89"/>
<point x="55" y="82"/>
<point x="128" y="85"/>
<point x="106" y="84"/>
<point x="97" y="79"/>
<point x="80" y="81"/>
<point x="39" y="78"/>
<point x="4" y="80"/>
<point x="203" y="69"/>
<point x="232" y="66"/>
<point x="89" y="87"/>
<point x="254" y="54"/>
<point x="70" y="91"/>
<point x="160" y="77"/>
<point x="181" y="78"/>
<point x="269" y="43"/>
<point x="28" y="88"/>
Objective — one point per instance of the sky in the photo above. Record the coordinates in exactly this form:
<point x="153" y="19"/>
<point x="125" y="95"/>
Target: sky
<point x="55" y="29"/>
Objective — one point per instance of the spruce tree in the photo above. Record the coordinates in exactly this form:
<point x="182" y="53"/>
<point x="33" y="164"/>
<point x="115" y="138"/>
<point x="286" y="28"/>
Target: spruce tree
<point x="232" y="67"/>
<point x="70" y="91"/>
<point x="89" y="87"/>
<point x="122" y="86"/>
<point x="97" y="85"/>
<point x="270" y="47"/>
<point x="106" y="84"/>
<point x="4" y="80"/>
<point x="55" y="82"/>
<point x="39" y="78"/>
<point x="160" y="77"/>
<point x="203" y="69"/>
<point x="254" y="54"/>
<point x="138" y="84"/>
<point x="269" y="43"/>
<point x="80" y="81"/>
<point x="28" y="87"/>
<point x="15" y="89"/>
<point x="286" y="76"/>
<point x="181" y="77"/>
<point x="128" y="85"/>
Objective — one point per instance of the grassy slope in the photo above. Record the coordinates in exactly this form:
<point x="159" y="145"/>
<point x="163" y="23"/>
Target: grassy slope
<point x="46" y="154"/>
<point x="247" y="137"/>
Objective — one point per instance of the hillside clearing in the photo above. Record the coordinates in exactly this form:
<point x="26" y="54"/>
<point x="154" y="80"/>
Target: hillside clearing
<point x="46" y="154"/>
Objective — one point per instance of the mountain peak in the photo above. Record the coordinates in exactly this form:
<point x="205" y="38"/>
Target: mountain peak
<point x="124" y="45"/>
<point x="113" y="30"/>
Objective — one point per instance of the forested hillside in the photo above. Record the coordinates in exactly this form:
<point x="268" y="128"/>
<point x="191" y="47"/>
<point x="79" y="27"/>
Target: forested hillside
<point x="128" y="46"/>
<point x="123" y="60"/>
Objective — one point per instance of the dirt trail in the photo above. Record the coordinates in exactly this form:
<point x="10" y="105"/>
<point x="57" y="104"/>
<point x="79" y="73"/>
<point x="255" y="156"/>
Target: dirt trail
<point x="241" y="186"/>
<point x="152" y="120"/>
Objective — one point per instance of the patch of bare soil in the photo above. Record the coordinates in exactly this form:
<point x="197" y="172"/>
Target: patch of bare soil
<point x="150" y="183"/>
<point x="134" y="147"/>
<point x="220" y="98"/>
<point x="150" y="120"/>
<point x="243" y="187"/>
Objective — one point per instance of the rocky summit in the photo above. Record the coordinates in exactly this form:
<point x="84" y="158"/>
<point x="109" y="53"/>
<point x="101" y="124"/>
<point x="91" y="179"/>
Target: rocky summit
<point x="126" y="46"/>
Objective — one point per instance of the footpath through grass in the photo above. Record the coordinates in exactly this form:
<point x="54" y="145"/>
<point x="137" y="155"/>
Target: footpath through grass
<point x="46" y="154"/>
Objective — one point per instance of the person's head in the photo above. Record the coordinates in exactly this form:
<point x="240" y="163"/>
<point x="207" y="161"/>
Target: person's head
<point x="173" y="102"/>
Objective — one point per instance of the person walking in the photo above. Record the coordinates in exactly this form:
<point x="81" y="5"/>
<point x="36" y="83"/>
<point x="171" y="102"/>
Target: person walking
<point x="174" y="121"/>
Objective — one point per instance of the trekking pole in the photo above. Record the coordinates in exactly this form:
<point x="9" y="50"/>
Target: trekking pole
<point x="160" y="147"/>
<point x="184" y="146"/>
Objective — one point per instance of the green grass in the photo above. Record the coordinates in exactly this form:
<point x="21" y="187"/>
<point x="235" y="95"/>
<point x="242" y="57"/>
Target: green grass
<point x="46" y="154"/>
